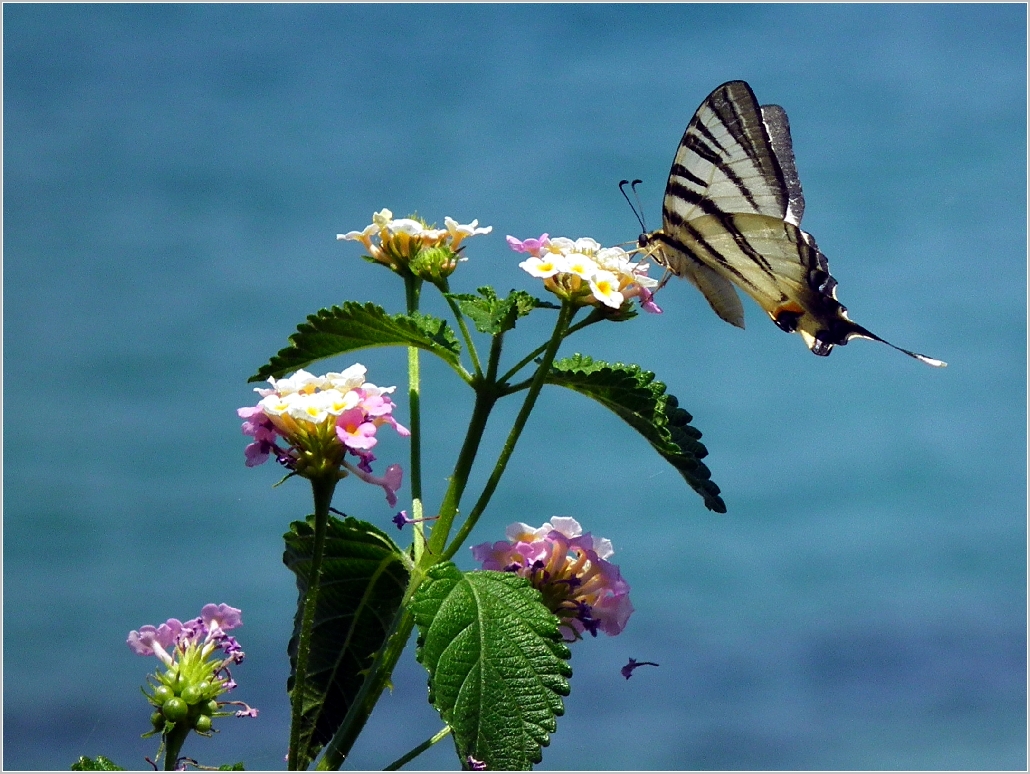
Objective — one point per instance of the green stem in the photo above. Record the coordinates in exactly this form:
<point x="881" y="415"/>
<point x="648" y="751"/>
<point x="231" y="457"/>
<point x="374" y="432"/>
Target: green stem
<point x="412" y="288"/>
<point x="460" y="319"/>
<point x="560" y="330"/>
<point x="410" y="756"/>
<point x="486" y="396"/>
<point x="375" y="682"/>
<point x="484" y="404"/>
<point x="386" y="658"/>
<point x="322" y="489"/>
<point x="173" y="744"/>
<point x="590" y="320"/>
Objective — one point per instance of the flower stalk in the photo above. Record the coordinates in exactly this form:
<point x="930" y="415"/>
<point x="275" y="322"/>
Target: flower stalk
<point x="417" y="751"/>
<point x="322" y="490"/>
<point x="565" y="316"/>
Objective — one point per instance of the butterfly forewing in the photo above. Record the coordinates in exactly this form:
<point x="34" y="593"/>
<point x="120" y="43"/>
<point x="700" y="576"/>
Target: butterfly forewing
<point x="725" y="162"/>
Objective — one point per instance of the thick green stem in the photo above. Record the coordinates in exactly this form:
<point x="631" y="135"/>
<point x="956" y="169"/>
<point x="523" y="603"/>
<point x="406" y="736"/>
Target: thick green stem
<point x="560" y="328"/>
<point x="173" y="744"/>
<point x="459" y="478"/>
<point x="413" y="754"/>
<point x="322" y="488"/>
<point x="376" y="680"/>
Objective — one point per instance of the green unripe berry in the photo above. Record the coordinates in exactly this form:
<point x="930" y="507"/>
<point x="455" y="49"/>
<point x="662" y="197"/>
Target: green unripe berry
<point x="191" y="694"/>
<point x="203" y="724"/>
<point x="163" y="693"/>
<point x="209" y="708"/>
<point x="157" y="720"/>
<point x="175" y="709"/>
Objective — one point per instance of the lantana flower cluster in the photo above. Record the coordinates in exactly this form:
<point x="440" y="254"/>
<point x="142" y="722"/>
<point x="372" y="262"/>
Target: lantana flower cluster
<point x="570" y="569"/>
<point x="196" y="656"/>
<point x="584" y="272"/>
<point x="409" y="244"/>
<point x="320" y="419"/>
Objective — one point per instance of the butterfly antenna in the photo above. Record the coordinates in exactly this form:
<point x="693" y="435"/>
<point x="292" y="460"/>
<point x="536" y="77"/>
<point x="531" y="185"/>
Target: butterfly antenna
<point x="637" y="212"/>
<point x="640" y="206"/>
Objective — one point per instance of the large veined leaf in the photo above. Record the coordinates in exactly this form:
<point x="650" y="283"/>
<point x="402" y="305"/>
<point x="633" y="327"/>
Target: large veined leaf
<point x="497" y="664"/>
<point x="355" y="326"/>
<point x="642" y="402"/>
<point x="494" y="315"/>
<point x="363" y="583"/>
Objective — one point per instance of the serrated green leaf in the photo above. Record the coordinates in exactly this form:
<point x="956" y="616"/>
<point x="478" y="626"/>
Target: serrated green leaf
<point x="355" y="326"/>
<point x="642" y="402"/>
<point x="363" y="583"/>
<point x="100" y="763"/>
<point x="493" y="315"/>
<point x="497" y="664"/>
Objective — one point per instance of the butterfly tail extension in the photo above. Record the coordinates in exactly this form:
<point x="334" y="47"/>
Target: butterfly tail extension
<point x="856" y="331"/>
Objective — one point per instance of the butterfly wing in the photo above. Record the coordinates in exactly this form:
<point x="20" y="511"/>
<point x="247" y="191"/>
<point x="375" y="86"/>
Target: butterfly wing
<point x="731" y="218"/>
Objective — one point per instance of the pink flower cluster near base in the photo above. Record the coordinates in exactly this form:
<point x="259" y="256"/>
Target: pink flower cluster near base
<point x="570" y="569"/>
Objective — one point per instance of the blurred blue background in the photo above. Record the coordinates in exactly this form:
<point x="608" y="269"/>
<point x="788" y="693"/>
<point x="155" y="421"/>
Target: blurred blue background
<point x="175" y="177"/>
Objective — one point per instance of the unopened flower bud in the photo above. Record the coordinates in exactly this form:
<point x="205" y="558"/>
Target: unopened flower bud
<point x="434" y="263"/>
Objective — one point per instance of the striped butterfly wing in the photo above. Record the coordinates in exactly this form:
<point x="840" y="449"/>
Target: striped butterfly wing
<point x="731" y="218"/>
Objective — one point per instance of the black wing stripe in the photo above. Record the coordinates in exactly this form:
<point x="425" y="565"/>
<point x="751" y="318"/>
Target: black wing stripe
<point x="729" y="226"/>
<point x="741" y="108"/>
<point x="699" y="239"/>
<point x="737" y="121"/>
<point x="710" y="208"/>
<point x="703" y="130"/>
<point x="695" y="144"/>
<point x="678" y="170"/>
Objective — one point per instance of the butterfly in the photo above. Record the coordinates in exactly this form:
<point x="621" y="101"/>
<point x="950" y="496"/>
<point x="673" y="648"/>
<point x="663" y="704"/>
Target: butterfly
<point x="731" y="218"/>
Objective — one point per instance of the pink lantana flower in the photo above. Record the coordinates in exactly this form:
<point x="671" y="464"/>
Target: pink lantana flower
<point x="534" y="247"/>
<point x="354" y="432"/>
<point x="585" y="273"/>
<point x="311" y="423"/>
<point x="570" y="569"/>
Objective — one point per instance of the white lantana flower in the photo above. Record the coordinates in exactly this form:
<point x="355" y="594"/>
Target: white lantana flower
<point x="544" y="267"/>
<point x="348" y="379"/>
<point x="605" y="287"/>
<point x="403" y="244"/>
<point x="582" y="265"/>
<point x="301" y="381"/>
<point x="583" y="272"/>
<point x="458" y="232"/>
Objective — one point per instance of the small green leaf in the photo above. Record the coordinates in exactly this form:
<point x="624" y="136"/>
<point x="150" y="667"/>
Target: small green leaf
<point x="355" y="326"/>
<point x="497" y="664"/>
<point x="494" y="315"/>
<point x="642" y="402"/>
<point x="363" y="582"/>
<point x="232" y="767"/>
<point x="100" y="763"/>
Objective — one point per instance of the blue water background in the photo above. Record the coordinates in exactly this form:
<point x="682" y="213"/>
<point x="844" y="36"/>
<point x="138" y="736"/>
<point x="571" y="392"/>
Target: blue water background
<point x="174" y="178"/>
